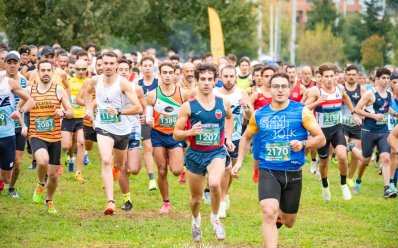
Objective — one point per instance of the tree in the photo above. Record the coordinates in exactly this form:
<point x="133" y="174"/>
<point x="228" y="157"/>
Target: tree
<point x="372" y="52"/>
<point x="319" y="45"/>
<point x="323" y="12"/>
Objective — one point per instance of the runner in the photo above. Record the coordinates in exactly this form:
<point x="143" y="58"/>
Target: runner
<point x="111" y="124"/>
<point x="281" y="156"/>
<point x="298" y="90"/>
<point x="258" y="80"/>
<point x="244" y="79"/>
<point x="241" y="109"/>
<point x="393" y="123"/>
<point x="163" y="106"/>
<point x="8" y="88"/>
<point x="206" y="121"/>
<point x="327" y="99"/>
<point x="45" y="131"/>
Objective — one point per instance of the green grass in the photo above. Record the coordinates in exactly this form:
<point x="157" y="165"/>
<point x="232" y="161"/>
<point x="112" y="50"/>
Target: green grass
<point x="368" y="220"/>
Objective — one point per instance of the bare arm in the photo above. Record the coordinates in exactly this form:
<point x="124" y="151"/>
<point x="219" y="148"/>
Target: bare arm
<point x="65" y="83"/>
<point x="314" y="98"/>
<point x="244" y="147"/>
<point x="136" y="107"/>
<point x="88" y="97"/>
<point x="247" y="108"/>
<point x="393" y="139"/>
<point x="80" y="96"/>
<point x="68" y="111"/>
<point x="367" y="99"/>
<point x="179" y="128"/>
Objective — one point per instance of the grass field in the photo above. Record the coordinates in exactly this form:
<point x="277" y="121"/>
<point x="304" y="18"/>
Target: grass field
<point x="368" y="220"/>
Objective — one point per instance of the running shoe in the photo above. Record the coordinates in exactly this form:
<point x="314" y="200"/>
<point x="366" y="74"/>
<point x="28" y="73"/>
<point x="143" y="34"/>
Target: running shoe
<point x="393" y="188"/>
<point x="326" y="195"/>
<point x="206" y="197"/>
<point x="318" y="175"/>
<point x="279" y="223"/>
<point x="182" y="179"/>
<point x="350" y="182"/>
<point x="13" y="193"/>
<point x="115" y="173"/>
<point x="346" y="192"/>
<point x="86" y="160"/>
<point x="218" y="229"/>
<point x="71" y="165"/>
<point x="381" y="170"/>
<point x="222" y="211"/>
<point x="38" y="194"/>
<point x="356" y="189"/>
<point x="255" y="175"/>
<point x="165" y="208"/>
<point x="110" y="208"/>
<point x="1" y="186"/>
<point x="33" y="165"/>
<point x="152" y="185"/>
<point x="196" y="233"/>
<point x="313" y="167"/>
<point x="128" y="205"/>
<point x="50" y="207"/>
<point x="388" y="193"/>
<point x="79" y="177"/>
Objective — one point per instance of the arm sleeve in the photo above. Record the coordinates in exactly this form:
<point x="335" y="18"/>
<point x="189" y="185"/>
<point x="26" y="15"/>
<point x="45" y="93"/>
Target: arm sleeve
<point x="309" y="121"/>
<point x="252" y="126"/>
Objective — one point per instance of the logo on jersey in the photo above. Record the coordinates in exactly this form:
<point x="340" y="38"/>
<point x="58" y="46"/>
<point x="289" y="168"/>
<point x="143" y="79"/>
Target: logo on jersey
<point x="356" y="96"/>
<point x="168" y="109"/>
<point x="218" y="114"/>
<point x="295" y="95"/>
<point x="107" y="101"/>
<point x="5" y="101"/>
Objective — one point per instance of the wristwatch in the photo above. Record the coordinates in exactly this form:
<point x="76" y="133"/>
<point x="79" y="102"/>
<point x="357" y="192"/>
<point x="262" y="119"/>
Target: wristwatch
<point x="303" y="143"/>
<point x="20" y="110"/>
<point x="119" y="111"/>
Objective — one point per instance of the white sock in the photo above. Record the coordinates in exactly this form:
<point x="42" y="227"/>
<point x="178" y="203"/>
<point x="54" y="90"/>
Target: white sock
<point x="213" y="217"/>
<point x="85" y="152"/>
<point x="196" y="221"/>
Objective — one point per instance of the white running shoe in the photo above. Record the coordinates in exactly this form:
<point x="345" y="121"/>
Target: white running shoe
<point x="152" y="185"/>
<point x="222" y="211"/>
<point x="346" y="192"/>
<point x="313" y="167"/>
<point x="218" y="229"/>
<point x="318" y="175"/>
<point x="196" y="233"/>
<point x="326" y="195"/>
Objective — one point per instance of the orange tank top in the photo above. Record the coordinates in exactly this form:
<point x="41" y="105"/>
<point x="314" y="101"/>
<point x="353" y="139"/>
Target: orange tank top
<point x="166" y="109"/>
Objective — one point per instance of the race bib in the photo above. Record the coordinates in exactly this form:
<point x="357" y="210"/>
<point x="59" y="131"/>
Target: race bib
<point x="3" y="117"/>
<point x="167" y="121"/>
<point x="279" y="151"/>
<point x="348" y="120"/>
<point x="384" y="121"/>
<point x="44" y="124"/>
<point x="236" y="124"/>
<point x="210" y="135"/>
<point x="107" y="118"/>
<point x="393" y="121"/>
<point x="72" y="100"/>
<point x="332" y="118"/>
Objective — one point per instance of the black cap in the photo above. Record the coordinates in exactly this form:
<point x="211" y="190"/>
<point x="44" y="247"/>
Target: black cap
<point x="47" y="51"/>
<point x="12" y="55"/>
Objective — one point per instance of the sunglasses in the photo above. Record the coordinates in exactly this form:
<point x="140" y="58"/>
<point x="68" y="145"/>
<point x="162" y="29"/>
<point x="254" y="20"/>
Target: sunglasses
<point x="80" y="69"/>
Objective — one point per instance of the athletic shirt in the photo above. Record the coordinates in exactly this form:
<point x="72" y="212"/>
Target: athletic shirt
<point x="380" y="106"/>
<point x="166" y="109"/>
<point x="7" y="101"/>
<point x="16" y="97"/>
<point x="295" y="93"/>
<point x="43" y="123"/>
<point x="212" y="136"/>
<point x="111" y="96"/>
<point x="355" y="96"/>
<point x="237" y="110"/>
<point x="393" y="121"/>
<point x="243" y="82"/>
<point x="261" y="101"/>
<point x="328" y="113"/>
<point x="134" y="119"/>
<point x="145" y="88"/>
<point x="75" y="85"/>
<point x="276" y="129"/>
<point x="311" y="84"/>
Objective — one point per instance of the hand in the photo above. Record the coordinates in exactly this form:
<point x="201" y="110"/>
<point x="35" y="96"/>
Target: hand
<point x="142" y="119"/>
<point x="230" y="145"/>
<point x="235" y="169"/>
<point x="150" y="122"/>
<point x="88" y="115"/>
<point x="243" y="102"/>
<point x="378" y="117"/>
<point x="59" y="112"/>
<point x="24" y="130"/>
<point x="15" y="115"/>
<point x="357" y="119"/>
<point x="112" y="111"/>
<point x="322" y="99"/>
<point x="196" y="129"/>
<point x="296" y="145"/>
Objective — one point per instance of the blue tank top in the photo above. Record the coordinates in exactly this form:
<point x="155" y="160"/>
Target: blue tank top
<point x="145" y="88"/>
<point x="276" y="129"/>
<point x="393" y="121"/>
<point x="380" y="106"/>
<point x="16" y="97"/>
<point x="212" y="136"/>
<point x="7" y="126"/>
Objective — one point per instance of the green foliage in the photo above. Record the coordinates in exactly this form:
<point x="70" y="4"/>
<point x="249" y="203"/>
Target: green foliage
<point x="373" y="52"/>
<point x="318" y="46"/>
<point x="324" y="12"/>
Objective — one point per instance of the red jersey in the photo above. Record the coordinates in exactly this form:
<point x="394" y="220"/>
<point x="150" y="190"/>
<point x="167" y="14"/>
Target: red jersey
<point x="261" y="101"/>
<point x="295" y="93"/>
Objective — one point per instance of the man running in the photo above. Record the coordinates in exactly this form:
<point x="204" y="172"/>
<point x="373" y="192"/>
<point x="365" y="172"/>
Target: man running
<point x="45" y="131"/>
<point x="207" y="122"/>
<point x="283" y="127"/>
<point x="111" y="124"/>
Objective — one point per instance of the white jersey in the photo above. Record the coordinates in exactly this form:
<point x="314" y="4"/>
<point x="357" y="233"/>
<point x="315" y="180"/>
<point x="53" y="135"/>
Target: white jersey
<point x="134" y="119"/>
<point x="111" y="97"/>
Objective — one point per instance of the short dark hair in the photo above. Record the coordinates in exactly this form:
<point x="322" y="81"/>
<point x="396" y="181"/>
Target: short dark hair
<point x="327" y="67"/>
<point x="228" y="67"/>
<point x="266" y="68"/>
<point x="382" y="71"/>
<point x="88" y="45"/>
<point x="63" y="54"/>
<point x="125" y="61"/>
<point x="177" y="67"/>
<point x="279" y="75"/>
<point x="257" y="68"/>
<point x="150" y="58"/>
<point x="99" y="57"/>
<point x="43" y="62"/>
<point x="134" y="54"/>
<point x="24" y="49"/>
<point x="81" y="53"/>
<point x="195" y="58"/>
<point x="244" y="59"/>
<point x="351" y="67"/>
<point x="71" y="61"/>
<point x="110" y="54"/>
<point x="232" y="57"/>
<point x="206" y="55"/>
<point x="290" y="66"/>
<point x="166" y="64"/>
<point x="203" y="67"/>
<point x="175" y="57"/>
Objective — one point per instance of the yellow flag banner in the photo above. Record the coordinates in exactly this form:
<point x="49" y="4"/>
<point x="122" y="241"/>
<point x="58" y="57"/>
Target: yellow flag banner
<point x="216" y="36"/>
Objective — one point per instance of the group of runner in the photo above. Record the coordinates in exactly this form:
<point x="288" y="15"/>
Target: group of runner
<point x="199" y="124"/>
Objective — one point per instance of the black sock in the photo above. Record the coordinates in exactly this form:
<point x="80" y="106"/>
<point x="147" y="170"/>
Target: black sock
<point x="343" y="179"/>
<point x="325" y="183"/>
<point x="111" y="201"/>
<point x="314" y="160"/>
<point x="48" y="201"/>
<point x="166" y="201"/>
<point x="11" y="189"/>
<point x="42" y="184"/>
<point x="386" y="187"/>
<point x="207" y="190"/>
